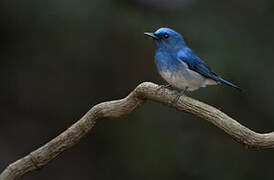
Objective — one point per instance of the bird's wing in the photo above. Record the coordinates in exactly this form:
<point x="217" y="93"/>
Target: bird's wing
<point x="196" y="64"/>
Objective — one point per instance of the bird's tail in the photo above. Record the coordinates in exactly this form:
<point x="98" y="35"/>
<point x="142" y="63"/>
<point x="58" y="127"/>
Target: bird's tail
<point x="222" y="81"/>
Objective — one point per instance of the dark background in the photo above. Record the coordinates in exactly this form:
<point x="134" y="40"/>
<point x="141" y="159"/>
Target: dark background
<point x="61" y="57"/>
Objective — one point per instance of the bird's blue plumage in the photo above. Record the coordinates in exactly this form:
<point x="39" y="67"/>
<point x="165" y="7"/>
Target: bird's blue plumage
<point x="179" y="65"/>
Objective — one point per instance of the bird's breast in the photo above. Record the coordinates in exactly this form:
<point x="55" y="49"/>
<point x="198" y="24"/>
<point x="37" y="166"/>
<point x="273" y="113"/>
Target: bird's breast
<point x="165" y="61"/>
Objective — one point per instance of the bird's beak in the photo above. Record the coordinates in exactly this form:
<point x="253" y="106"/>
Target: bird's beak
<point x="151" y="35"/>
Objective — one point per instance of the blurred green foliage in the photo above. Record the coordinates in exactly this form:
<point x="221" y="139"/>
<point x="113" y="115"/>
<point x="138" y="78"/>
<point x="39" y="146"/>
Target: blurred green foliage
<point x="59" y="58"/>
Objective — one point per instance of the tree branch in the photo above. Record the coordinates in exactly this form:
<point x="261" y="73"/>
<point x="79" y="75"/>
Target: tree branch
<point x="117" y="108"/>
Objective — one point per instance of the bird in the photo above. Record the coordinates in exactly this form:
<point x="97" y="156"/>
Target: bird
<point x="179" y="66"/>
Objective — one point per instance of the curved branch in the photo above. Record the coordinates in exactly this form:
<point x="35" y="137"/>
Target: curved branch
<point x="117" y="108"/>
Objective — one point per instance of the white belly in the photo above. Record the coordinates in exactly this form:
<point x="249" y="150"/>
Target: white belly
<point x="186" y="78"/>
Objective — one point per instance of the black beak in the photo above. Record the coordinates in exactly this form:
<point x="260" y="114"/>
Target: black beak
<point x="151" y="35"/>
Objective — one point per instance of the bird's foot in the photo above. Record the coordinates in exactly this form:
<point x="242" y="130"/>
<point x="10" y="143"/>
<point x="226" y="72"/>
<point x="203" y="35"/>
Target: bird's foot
<point x="163" y="86"/>
<point x="182" y="93"/>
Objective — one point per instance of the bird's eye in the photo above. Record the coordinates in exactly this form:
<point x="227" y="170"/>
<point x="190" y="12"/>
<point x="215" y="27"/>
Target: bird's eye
<point x="166" y="35"/>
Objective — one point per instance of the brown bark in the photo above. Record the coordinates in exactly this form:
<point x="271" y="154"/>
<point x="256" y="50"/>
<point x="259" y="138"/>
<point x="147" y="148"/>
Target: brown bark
<point x="117" y="108"/>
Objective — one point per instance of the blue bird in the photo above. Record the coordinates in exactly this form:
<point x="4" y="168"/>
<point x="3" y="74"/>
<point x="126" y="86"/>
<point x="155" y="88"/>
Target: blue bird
<point x="179" y="65"/>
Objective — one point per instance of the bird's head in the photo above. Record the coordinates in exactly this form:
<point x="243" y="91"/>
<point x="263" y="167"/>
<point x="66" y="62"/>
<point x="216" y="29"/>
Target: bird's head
<point x="166" y="38"/>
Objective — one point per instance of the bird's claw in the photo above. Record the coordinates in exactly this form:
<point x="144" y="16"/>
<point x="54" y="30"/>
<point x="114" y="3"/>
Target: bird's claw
<point x="163" y="86"/>
<point x="182" y="93"/>
<point x="175" y="100"/>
